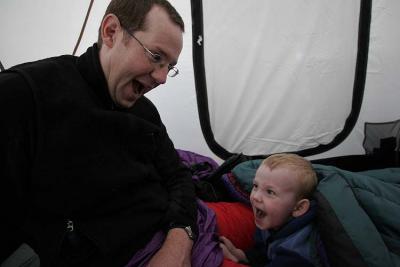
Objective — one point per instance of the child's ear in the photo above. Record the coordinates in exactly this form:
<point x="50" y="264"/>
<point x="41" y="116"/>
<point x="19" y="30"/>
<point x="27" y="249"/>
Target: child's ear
<point x="301" y="207"/>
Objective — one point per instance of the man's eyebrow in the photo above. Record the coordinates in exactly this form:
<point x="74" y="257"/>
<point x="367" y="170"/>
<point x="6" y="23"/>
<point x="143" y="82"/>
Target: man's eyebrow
<point x="173" y="63"/>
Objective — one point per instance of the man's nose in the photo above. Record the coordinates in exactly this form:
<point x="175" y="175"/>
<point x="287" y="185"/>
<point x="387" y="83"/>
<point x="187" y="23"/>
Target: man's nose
<point x="160" y="74"/>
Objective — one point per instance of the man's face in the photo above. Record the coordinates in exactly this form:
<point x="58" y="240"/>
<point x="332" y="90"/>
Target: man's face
<point x="128" y="68"/>
<point x="273" y="196"/>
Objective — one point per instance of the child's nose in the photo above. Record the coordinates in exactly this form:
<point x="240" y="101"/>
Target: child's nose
<point x="256" y="196"/>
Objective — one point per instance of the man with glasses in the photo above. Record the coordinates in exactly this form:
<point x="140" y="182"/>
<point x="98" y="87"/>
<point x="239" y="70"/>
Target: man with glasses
<point x="88" y="172"/>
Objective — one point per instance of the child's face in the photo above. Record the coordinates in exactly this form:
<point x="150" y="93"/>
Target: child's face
<point x="273" y="196"/>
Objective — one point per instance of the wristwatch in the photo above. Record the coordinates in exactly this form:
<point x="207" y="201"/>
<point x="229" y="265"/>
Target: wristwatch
<point x="187" y="229"/>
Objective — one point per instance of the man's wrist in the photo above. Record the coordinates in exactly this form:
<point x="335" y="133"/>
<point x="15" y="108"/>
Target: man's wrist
<point x="187" y="228"/>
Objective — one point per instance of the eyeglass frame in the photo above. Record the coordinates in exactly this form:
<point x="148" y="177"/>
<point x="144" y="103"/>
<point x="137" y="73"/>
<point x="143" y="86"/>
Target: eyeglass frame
<point x="156" y="58"/>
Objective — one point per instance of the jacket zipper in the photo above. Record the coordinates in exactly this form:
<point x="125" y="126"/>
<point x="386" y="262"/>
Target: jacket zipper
<point x="70" y="225"/>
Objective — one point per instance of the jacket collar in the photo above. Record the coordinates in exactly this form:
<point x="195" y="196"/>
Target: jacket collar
<point x="294" y="224"/>
<point x="90" y="68"/>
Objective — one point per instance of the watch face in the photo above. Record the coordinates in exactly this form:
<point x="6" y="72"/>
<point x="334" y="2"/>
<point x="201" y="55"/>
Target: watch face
<point x="189" y="231"/>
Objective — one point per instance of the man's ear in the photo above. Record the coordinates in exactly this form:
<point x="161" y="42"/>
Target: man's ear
<point x="301" y="207"/>
<point x="110" y="26"/>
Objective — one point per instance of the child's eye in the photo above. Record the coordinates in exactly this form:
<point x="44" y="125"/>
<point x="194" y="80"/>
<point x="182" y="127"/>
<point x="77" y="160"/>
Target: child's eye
<point x="270" y="192"/>
<point x="255" y="186"/>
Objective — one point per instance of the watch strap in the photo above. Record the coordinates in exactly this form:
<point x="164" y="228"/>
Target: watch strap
<point x="187" y="229"/>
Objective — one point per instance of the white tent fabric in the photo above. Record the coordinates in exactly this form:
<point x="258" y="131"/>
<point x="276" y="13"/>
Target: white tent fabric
<point x="280" y="74"/>
<point x="280" y="79"/>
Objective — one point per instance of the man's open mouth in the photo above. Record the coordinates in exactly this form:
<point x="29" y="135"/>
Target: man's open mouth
<point x="138" y="88"/>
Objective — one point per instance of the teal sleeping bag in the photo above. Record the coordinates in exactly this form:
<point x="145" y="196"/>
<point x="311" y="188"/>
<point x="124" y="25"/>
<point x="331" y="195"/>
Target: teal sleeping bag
<point x="359" y="216"/>
<point x="358" y="213"/>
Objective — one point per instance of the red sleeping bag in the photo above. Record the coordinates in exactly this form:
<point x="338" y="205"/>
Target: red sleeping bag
<point x="235" y="221"/>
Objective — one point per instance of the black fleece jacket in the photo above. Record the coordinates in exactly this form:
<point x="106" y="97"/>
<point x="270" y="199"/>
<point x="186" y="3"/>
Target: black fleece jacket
<point x="68" y="154"/>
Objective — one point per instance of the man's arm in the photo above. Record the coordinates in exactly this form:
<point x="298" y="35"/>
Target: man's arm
<point x="16" y="124"/>
<point x="182" y="206"/>
<point x="175" y="252"/>
<point x="177" y="180"/>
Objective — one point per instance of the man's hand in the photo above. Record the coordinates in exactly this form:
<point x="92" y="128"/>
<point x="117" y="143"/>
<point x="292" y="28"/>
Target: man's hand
<point x="175" y="252"/>
<point x="230" y="251"/>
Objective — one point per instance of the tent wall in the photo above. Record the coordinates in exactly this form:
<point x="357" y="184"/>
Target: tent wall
<point x="382" y="87"/>
<point x="289" y="70"/>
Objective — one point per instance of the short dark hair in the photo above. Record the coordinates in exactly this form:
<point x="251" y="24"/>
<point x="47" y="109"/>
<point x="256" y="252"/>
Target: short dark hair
<point x="132" y="13"/>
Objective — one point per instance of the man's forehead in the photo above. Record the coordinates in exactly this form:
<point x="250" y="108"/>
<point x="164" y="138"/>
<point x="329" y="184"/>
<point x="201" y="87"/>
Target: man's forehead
<point x="156" y="17"/>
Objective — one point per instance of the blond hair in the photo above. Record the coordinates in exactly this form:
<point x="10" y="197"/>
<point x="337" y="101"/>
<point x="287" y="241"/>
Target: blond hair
<point x="299" y="165"/>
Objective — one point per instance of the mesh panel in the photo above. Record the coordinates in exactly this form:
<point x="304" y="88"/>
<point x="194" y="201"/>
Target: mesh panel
<point x="382" y="137"/>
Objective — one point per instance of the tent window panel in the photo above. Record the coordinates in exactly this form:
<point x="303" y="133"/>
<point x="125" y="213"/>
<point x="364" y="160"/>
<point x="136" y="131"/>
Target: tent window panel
<point x="279" y="74"/>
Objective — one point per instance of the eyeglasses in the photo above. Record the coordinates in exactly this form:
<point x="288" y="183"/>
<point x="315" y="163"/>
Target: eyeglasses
<point x="156" y="58"/>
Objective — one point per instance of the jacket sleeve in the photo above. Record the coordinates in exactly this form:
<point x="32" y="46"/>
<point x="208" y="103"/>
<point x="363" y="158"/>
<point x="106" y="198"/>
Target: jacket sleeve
<point x="182" y="207"/>
<point x="288" y="258"/>
<point x="257" y="255"/>
<point x="16" y="120"/>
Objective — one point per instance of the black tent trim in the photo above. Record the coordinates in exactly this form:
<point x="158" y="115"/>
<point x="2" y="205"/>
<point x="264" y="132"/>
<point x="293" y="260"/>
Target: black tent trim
<point x="201" y="85"/>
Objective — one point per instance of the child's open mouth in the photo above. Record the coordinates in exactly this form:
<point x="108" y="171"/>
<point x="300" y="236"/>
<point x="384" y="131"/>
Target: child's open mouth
<point x="259" y="213"/>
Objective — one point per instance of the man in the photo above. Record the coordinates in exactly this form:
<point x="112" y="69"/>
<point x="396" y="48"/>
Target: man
<point x="88" y="172"/>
